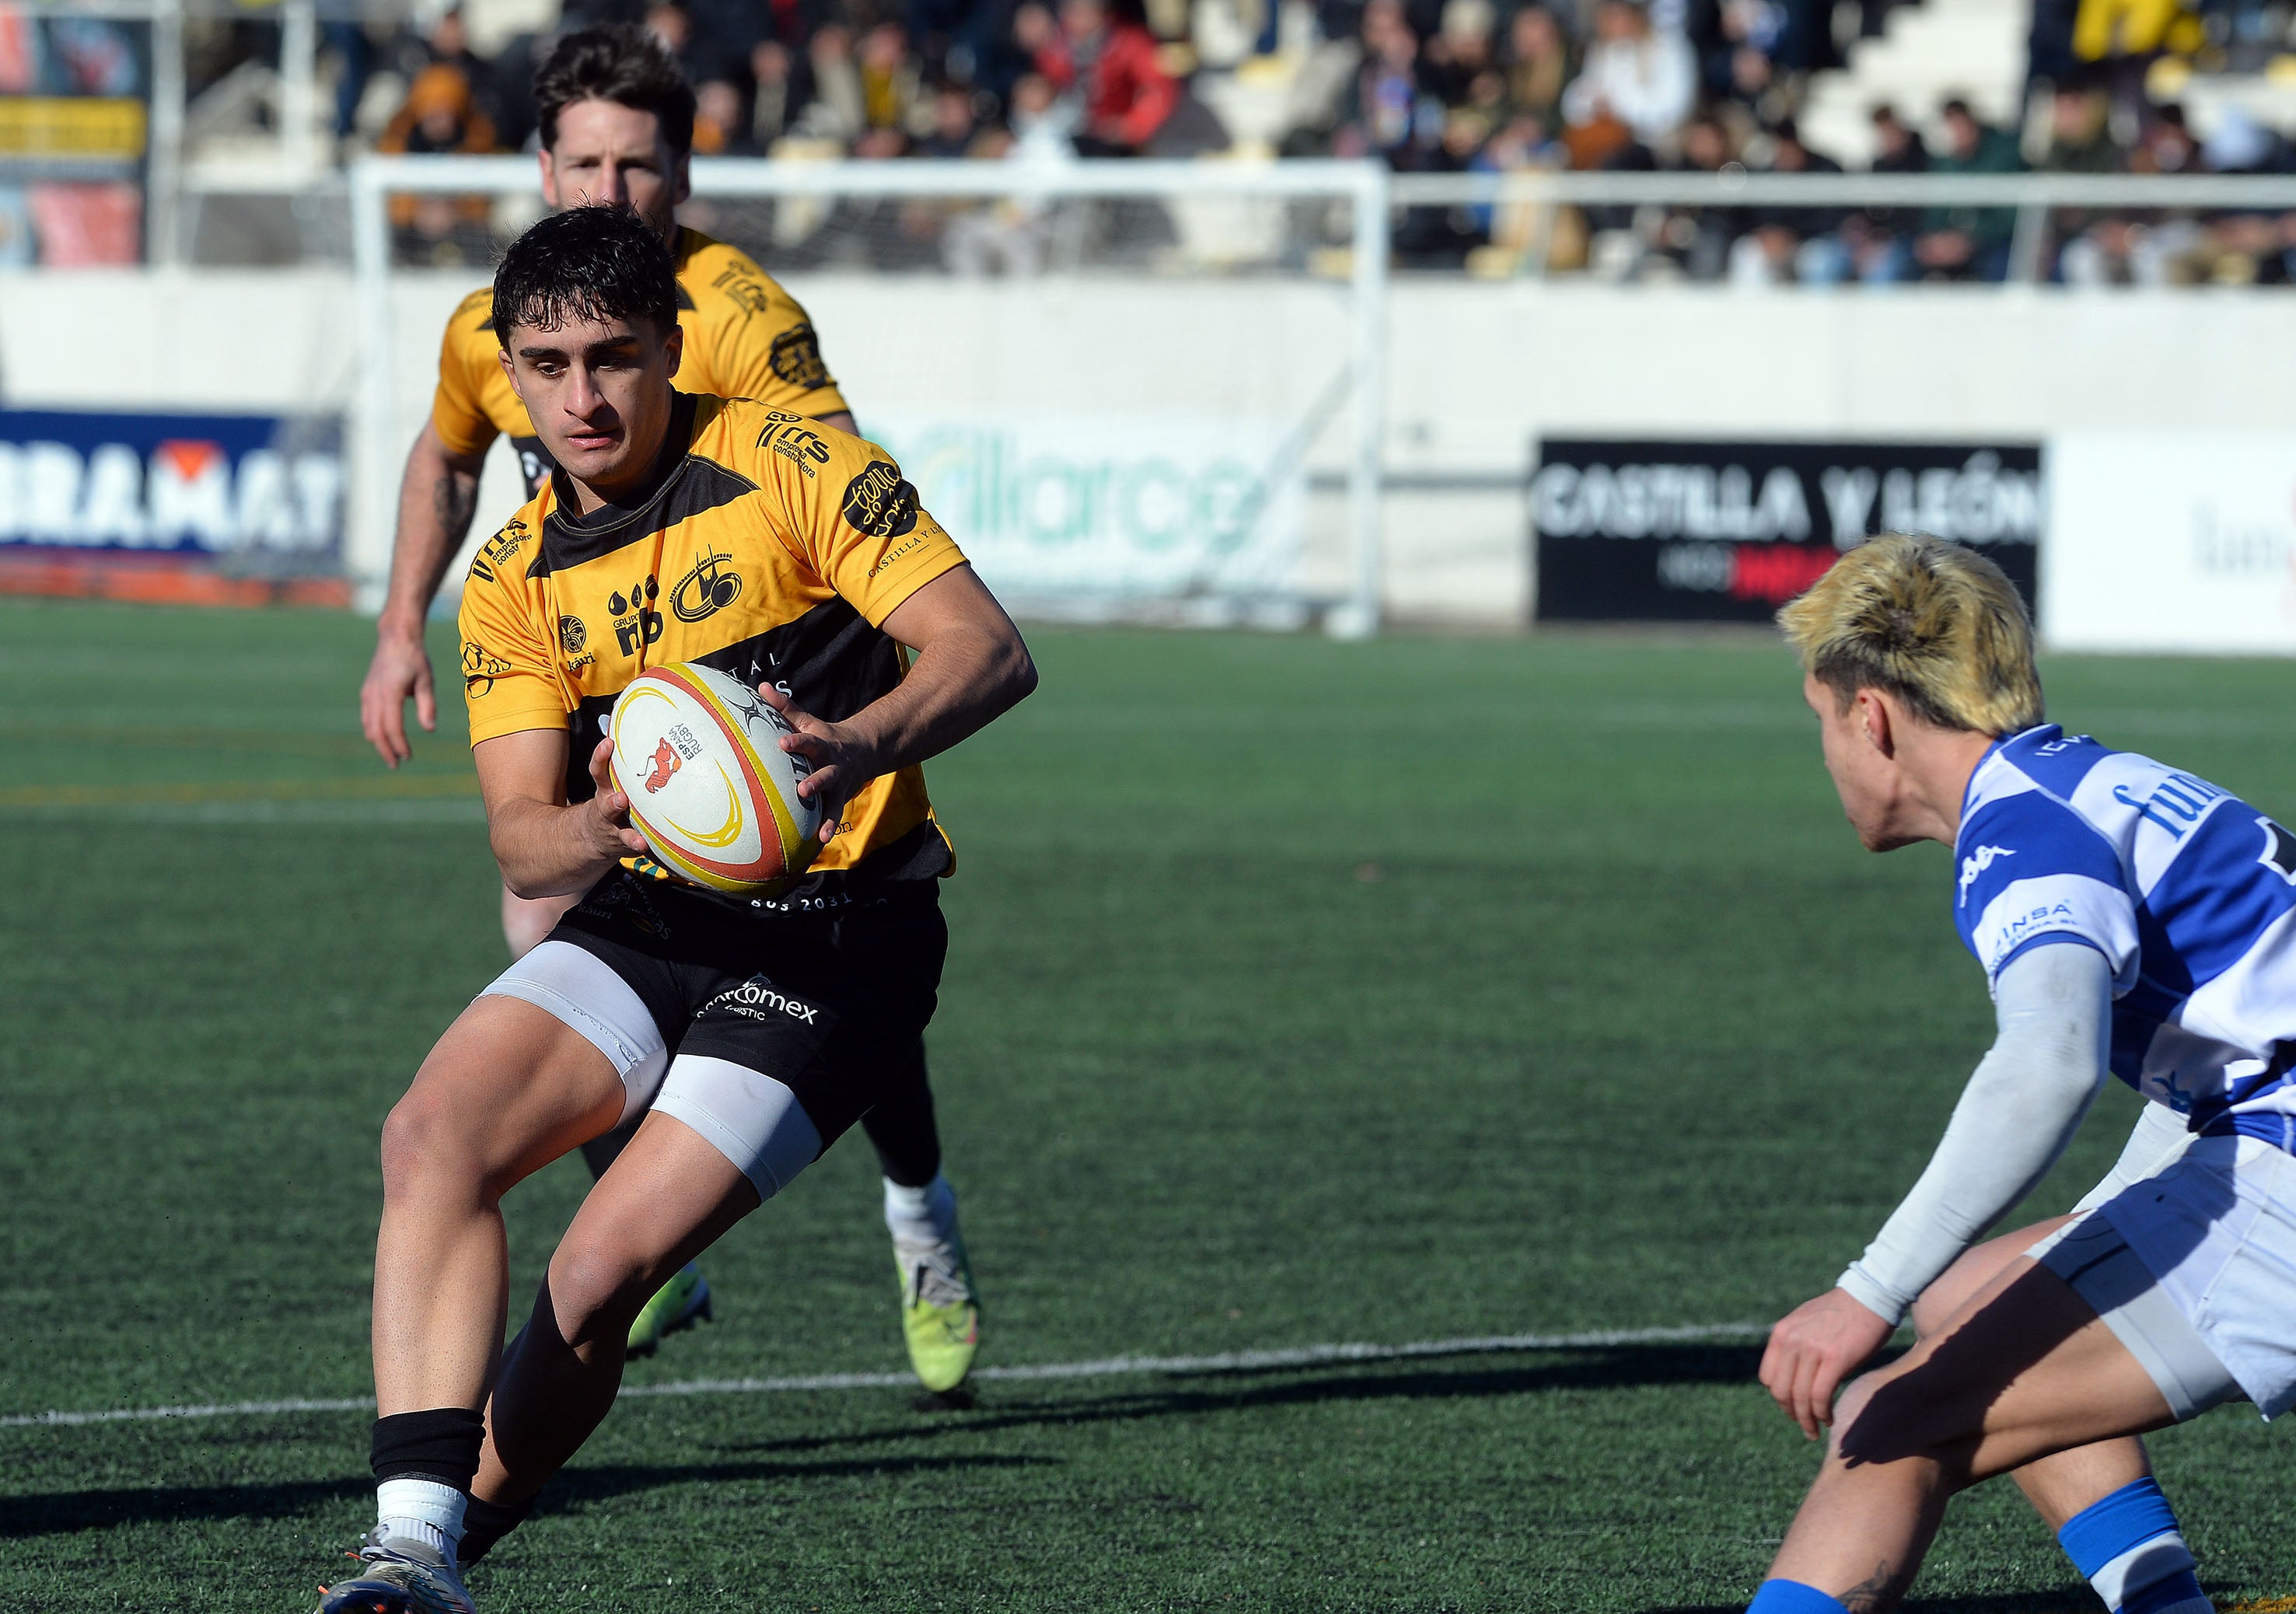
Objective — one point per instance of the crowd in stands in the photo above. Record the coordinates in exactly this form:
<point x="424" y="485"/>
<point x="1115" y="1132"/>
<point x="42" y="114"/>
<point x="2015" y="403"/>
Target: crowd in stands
<point x="1428" y="86"/>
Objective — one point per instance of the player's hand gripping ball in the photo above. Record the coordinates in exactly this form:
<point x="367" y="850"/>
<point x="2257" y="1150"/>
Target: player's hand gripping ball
<point x="699" y="755"/>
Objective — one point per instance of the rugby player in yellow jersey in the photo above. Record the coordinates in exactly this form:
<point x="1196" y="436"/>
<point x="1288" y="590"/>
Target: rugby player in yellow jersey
<point x="749" y="1033"/>
<point x="616" y="117"/>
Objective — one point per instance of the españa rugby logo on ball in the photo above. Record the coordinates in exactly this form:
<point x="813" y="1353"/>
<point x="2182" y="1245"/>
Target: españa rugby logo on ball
<point x="698" y="756"/>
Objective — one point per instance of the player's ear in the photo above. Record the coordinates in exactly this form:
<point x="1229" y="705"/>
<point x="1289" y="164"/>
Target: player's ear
<point x="549" y="179"/>
<point x="1876" y="719"/>
<point x="673" y="346"/>
<point x="510" y="370"/>
<point x="681" y="182"/>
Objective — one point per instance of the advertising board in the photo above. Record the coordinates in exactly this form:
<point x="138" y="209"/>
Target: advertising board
<point x="1717" y="531"/>
<point x="2181" y="541"/>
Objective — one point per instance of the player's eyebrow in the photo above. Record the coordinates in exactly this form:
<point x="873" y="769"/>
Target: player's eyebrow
<point x="614" y="345"/>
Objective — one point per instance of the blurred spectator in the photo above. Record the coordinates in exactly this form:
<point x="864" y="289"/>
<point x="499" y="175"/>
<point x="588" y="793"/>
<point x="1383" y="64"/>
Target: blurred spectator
<point x="439" y="115"/>
<point x="1537" y="67"/>
<point x="779" y="97"/>
<point x="954" y="124"/>
<point x="1785" y="244"/>
<point x="889" y="78"/>
<point x="1873" y="241"/>
<point x="720" y="129"/>
<point x="2080" y="138"/>
<point x="1460" y="53"/>
<point x="1697" y="241"/>
<point x="1111" y="61"/>
<point x="1389" y="114"/>
<point x="1638" y="83"/>
<point x="1966" y="243"/>
<point x="838" y="110"/>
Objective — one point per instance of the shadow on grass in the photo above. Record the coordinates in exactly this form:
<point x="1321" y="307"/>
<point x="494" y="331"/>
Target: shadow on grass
<point x="65" y="1512"/>
<point x="1230" y="1391"/>
<point x="2073" y="1599"/>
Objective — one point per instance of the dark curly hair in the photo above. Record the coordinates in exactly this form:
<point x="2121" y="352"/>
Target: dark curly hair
<point x="595" y="263"/>
<point x="622" y="64"/>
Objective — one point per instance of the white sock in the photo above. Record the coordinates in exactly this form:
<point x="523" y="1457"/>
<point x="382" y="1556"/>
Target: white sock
<point x="423" y="1510"/>
<point x="921" y="1215"/>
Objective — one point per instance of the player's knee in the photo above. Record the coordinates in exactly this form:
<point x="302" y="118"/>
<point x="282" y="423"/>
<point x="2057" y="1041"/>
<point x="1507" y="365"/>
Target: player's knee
<point x="425" y="1144"/>
<point x="598" y="1289"/>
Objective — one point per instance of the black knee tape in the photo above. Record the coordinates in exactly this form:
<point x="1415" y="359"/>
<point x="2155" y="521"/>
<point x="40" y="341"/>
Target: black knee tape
<point x="441" y="1444"/>
<point x="484" y="1523"/>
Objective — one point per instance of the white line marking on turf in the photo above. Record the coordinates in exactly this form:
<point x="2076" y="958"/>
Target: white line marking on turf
<point x="1104" y="1367"/>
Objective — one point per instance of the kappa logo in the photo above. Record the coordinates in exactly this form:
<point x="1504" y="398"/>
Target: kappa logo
<point x="881" y="502"/>
<point x="1976" y="864"/>
<point x="665" y="762"/>
<point x="755" y="998"/>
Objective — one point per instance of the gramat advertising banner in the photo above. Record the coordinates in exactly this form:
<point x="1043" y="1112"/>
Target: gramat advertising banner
<point x="1699" y="531"/>
<point x="256" y="493"/>
<point x="1109" y="509"/>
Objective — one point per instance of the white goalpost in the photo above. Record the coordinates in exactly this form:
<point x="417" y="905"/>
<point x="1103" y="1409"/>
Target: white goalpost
<point x="1166" y="407"/>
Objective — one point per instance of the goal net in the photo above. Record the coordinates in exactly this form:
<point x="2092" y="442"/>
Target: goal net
<point x="1135" y="390"/>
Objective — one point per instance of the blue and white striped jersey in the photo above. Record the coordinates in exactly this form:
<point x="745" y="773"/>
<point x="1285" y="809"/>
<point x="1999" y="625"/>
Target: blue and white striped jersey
<point x="2189" y="893"/>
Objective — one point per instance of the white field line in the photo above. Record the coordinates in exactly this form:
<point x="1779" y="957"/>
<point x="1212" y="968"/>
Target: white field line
<point x="1104" y="1367"/>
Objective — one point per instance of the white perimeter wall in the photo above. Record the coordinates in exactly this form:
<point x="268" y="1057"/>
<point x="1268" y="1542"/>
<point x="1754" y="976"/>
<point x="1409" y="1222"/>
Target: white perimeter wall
<point x="1476" y="372"/>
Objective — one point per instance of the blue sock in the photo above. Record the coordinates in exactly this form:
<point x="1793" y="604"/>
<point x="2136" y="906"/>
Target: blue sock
<point x="2129" y="1547"/>
<point x="1792" y="1597"/>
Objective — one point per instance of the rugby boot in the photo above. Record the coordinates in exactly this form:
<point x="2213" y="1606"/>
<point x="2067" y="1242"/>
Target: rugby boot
<point x="677" y="1304"/>
<point x="398" y="1577"/>
<point x="940" y="1311"/>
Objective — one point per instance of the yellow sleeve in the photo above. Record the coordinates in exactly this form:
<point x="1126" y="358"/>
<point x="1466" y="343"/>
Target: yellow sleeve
<point x="757" y="342"/>
<point x="457" y="410"/>
<point x="859" y="525"/>
<point x="510" y="672"/>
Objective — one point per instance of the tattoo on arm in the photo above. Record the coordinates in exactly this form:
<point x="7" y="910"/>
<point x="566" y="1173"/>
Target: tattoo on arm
<point x="454" y="499"/>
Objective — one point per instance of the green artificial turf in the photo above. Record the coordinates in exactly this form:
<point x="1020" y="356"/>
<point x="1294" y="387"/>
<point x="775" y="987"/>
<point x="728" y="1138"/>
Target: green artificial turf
<point x="1299" y="993"/>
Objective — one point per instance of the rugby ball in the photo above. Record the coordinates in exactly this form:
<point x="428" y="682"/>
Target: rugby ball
<point x="699" y="755"/>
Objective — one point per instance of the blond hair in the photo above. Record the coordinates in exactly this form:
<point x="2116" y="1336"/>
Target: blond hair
<point x="1938" y="625"/>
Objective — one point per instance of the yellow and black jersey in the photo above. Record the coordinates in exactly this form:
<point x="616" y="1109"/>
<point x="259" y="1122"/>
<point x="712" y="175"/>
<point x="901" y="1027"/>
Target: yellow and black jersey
<point x="766" y="545"/>
<point x="745" y="336"/>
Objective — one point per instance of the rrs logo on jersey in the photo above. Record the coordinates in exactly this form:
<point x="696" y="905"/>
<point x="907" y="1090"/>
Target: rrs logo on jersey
<point x="756" y="998"/>
<point x="636" y="621"/>
<point x="1976" y="864"/>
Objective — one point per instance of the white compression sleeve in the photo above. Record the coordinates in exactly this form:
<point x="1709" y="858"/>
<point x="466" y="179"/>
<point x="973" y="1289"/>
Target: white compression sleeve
<point x="2159" y="1136"/>
<point x="2054" y="1007"/>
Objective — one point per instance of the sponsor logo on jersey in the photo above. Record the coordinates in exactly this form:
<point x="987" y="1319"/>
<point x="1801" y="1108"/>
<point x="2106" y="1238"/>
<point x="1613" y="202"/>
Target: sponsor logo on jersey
<point x="480" y="669"/>
<point x="636" y="623"/>
<point x="745" y="290"/>
<point x="881" y="502"/>
<point x="2279" y="854"/>
<point x="795" y="358"/>
<point x="572" y="635"/>
<point x="756" y="998"/>
<point x="665" y="762"/>
<point x="706" y="590"/>
<point x="1976" y="864"/>
<point x="2177" y="803"/>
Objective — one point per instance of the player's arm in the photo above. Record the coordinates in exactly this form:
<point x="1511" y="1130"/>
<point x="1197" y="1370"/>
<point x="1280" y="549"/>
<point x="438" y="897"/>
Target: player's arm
<point x="970" y="668"/>
<point x="436" y="497"/>
<point x="2023" y="1105"/>
<point x="547" y="848"/>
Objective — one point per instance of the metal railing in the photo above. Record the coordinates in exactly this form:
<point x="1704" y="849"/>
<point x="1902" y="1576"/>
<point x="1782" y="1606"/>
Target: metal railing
<point x="2033" y="197"/>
